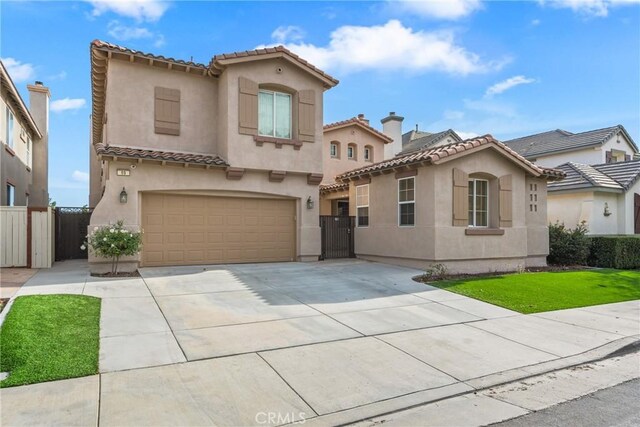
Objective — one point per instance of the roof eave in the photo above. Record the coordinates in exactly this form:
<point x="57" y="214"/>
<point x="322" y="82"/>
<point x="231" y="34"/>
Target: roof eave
<point x="15" y="94"/>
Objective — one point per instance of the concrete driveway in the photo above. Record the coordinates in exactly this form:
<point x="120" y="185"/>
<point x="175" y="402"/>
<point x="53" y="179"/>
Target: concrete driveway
<point x="275" y="343"/>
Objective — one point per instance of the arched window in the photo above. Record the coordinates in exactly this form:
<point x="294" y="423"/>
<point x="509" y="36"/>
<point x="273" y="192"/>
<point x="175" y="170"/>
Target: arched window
<point x="352" y="151"/>
<point x="368" y="153"/>
<point x="334" y="149"/>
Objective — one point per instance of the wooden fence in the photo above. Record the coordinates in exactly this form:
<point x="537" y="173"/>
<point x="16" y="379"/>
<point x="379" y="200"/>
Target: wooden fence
<point x="26" y="237"/>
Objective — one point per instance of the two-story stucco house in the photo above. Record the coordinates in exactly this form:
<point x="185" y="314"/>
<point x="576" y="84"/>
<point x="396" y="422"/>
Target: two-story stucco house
<point x="216" y="163"/>
<point x="601" y="188"/>
<point x="24" y="134"/>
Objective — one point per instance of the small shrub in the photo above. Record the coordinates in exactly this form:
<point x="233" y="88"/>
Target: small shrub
<point x="568" y="246"/>
<point x="113" y="241"/>
<point x="621" y="252"/>
<point x="434" y="272"/>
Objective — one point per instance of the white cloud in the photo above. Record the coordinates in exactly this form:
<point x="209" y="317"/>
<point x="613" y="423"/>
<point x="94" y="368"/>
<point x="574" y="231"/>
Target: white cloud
<point x="159" y="41"/>
<point x="507" y="84"/>
<point x="466" y="135"/>
<point x="392" y="46"/>
<point x="59" y="76"/>
<point x="18" y="71"/>
<point x="140" y="10"/>
<point x="123" y="32"/>
<point x="453" y="114"/>
<point x="535" y="22"/>
<point x="590" y="8"/>
<point x="290" y="33"/>
<point x="439" y="9"/>
<point x="66" y="104"/>
<point x="79" y="176"/>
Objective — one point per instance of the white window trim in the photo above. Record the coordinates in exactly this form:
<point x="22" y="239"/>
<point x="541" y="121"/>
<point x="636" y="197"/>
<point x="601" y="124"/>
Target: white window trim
<point x="474" y="204"/>
<point x="331" y="153"/>
<point x="351" y="148"/>
<point x="367" y="154"/>
<point x="11" y="195"/>
<point x="10" y="118"/>
<point x="363" y="206"/>
<point x="29" y="148"/>
<point x="274" y="114"/>
<point x="407" y="202"/>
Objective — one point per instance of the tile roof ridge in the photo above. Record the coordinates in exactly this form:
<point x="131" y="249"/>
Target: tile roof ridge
<point x="113" y="46"/>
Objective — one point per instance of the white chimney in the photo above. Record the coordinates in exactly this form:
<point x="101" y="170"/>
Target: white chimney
<point x="392" y="127"/>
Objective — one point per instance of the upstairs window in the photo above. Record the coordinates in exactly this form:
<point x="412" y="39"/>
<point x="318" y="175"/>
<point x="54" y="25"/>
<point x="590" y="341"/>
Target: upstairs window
<point x="28" y="151"/>
<point x="478" y="203"/>
<point x="368" y="154"/>
<point x="9" y="134"/>
<point x="362" y="205"/>
<point x="11" y="195"/>
<point x="274" y="114"/>
<point x="406" y="202"/>
<point x="351" y="152"/>
<point x="334" y="150"/>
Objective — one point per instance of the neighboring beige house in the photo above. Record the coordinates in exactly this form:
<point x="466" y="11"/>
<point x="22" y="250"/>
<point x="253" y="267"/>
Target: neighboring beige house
<point x="605" y="196"/>
<point x="348" y="144"/>
<point x="216" y="163"/>
<point x="24" y="136"/>
<point x="474" y="206"/>
<point x="419" y="140"/>
<point x="553" y="148"/>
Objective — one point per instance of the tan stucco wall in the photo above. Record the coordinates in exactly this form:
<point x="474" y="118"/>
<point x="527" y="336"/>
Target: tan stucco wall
<point x="352" y="134"/>
<point x="130" y="108"/>
<point x="148" y="177"/>
<point x="242" y="150"/>
<point x="433" y="239"/>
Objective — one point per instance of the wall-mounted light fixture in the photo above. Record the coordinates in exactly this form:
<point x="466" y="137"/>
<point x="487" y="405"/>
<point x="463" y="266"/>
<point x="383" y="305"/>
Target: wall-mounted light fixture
<point x="607" y="212"/>
<point x="123" y="196"/>
<point x="309" y="203"/>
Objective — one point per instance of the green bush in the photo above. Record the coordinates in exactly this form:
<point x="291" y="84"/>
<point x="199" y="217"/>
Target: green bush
<point x="113" y="241"/>
<point x="568" y="246"/>
<point x="621" y="252"/>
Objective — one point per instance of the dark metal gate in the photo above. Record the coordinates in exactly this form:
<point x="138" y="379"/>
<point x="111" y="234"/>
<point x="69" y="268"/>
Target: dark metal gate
<point x="71" y="231"/>
<point x="337" y="236"/>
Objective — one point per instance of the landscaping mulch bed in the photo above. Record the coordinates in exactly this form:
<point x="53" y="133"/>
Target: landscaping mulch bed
<point x="3" y="303"/>
<point x="423" y="278"/>
<point x="120" y="274"/>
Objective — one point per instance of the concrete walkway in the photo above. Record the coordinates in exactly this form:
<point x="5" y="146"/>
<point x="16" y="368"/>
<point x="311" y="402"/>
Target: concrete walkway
<point x="275" y="343"/>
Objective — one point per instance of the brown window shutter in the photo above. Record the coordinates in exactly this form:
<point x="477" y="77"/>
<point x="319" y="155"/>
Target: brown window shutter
<point x="167" y="111"/>
<point x="608" y="156"/>
<point x="307" y="115"/>
<point x="506" y="201"/>
<point x="460" y="198"/>
<point x="247" y="106"/>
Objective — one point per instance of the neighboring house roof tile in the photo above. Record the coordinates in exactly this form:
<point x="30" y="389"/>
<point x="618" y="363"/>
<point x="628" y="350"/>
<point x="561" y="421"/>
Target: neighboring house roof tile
<point x="559" y="140"/>
<point x="221" y="58"/>
<point x="336" y="186"/>
<point x="427" y="140"/>
<point x="356" y="121"/>
<point x="435" y="154"/>
<point x="158" y="155"/>
<point x="18" y="102"/>
<point x="117" y="48"/>
<point x="618" y="176"/>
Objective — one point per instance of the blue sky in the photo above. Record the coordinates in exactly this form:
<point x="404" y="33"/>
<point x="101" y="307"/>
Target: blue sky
<point x="505" y="68"/>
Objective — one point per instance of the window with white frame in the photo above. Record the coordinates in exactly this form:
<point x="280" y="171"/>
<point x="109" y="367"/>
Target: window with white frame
<point x="406" y="201"/>
<point x="367" y="154"/>
<point x="274" y="114"/>
<point x="351" y="151"/>
<point x="334" y="149"/>
<point x="478" y="203"/>
<point x="9" y="130"/>
<point x="28" y="151"/>
<point x="362" y="205"/>
<point x="11" y="195"/>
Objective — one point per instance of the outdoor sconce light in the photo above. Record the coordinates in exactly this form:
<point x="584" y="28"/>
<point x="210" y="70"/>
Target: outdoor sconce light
<point x="607" y="212"/>
<point x="123" y="196"/>
<point x="309" y="203"/>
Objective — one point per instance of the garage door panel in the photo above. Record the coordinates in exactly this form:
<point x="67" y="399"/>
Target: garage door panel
<point x="181" y="230"/>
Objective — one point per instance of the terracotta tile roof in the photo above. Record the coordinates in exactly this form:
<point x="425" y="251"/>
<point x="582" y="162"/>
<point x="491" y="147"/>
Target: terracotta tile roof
<point x="359" y="122"/>
<point x="168" y="156"/>
<point x="336" y="186"/>
<point x="218" y="59"/>
<point x="433" y="155"/>
<point x="117" y="48"/>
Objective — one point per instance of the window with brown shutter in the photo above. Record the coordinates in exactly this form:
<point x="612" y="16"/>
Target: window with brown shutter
<point x="167" y="111"/>
<point x="307" y="115"/>
<point x="247" y="106"/>
<point x="506" y="201"/>
<point x="460" y="198"/>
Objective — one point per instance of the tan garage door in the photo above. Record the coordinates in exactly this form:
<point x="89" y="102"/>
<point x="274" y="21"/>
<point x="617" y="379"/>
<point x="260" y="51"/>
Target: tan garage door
<point x="182" y="230"/>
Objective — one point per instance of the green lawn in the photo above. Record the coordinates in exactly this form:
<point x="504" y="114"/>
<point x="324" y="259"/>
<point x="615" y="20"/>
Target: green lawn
<point x="537" y="292"/>
<point x="50" y="337"/>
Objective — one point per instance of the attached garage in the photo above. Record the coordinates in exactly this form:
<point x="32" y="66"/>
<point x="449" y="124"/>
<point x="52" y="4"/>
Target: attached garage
<point x="194" y="229"/>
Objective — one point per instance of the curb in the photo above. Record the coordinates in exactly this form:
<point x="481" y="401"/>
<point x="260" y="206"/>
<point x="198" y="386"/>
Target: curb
<point x="420" y="398"/>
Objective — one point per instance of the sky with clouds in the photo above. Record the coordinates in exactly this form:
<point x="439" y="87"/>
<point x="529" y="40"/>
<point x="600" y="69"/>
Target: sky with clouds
<point x="505" y="68"/>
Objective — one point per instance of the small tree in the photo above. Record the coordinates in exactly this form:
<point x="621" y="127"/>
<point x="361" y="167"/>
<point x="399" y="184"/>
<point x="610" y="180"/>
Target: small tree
<point x="113" y="241"/>
<point x="568" y="246"/>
